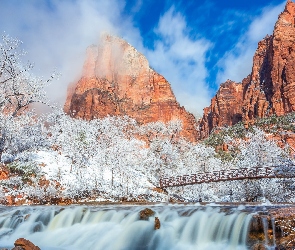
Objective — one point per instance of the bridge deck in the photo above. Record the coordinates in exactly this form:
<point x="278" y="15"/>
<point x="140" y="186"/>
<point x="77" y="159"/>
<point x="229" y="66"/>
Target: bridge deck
<point x="228" y="175"/>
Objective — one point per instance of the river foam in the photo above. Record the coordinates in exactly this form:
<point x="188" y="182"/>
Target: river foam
<point x="119" y="228"/>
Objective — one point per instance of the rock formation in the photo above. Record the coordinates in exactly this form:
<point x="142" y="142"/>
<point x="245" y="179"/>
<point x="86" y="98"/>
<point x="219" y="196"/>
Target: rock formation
<point x="23" y="244"/>
<point x="271" y="89"/>
<point x="117" y="80"/>
<point x="4" y="172"/>
<point x="273" y="227"/>
<point x="268" y="90"/>
<point x="225" y="108"/>
<point x="146" y="213"/>
<point x="157" y="224"/>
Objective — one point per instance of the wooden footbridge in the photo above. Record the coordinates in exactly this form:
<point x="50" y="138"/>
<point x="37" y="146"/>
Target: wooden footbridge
<point x="229" y="175"/>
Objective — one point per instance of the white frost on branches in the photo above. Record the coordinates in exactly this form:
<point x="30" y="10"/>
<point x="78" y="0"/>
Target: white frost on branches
<point x="18" y="86"/>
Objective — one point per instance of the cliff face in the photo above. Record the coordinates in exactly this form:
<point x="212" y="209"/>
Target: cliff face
<point x="117" y="80"/>
<point x="269" y="89"/>
<point x="225" y="108"/>
<point x="272" y="85"/>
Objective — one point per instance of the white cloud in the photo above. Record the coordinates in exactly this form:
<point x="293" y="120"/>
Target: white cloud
<point x="237" y="63"/>
<point x="58" y="38"/>
<point x="181" y="59"/>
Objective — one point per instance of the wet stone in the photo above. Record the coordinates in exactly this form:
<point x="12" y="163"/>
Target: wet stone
<point x="146" y="213"/>
<point x="23" y="244"/>
<point x="157" y="223"/>
<point x="27" y="217"/>
<point x="259" y="246"/>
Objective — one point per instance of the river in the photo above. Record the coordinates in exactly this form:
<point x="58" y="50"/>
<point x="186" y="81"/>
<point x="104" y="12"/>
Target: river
<point x="120" y="228"/>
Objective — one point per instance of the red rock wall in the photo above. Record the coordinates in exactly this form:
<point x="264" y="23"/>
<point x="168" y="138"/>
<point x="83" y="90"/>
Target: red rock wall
<point x="225" y="108"/>
<point x="272" y="86"/>
<point x="268" y="90"/>
<point x="117" y="80"/>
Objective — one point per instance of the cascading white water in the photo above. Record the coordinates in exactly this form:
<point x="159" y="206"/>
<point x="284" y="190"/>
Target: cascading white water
<point x="265" y="229"/>
<point x="182" y="227"/>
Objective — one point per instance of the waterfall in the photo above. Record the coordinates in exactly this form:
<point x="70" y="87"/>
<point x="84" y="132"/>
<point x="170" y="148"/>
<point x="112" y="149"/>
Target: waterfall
<point x="273" y="226"/>
<point x="265" y="229"/>
<point x="119" y="228"/>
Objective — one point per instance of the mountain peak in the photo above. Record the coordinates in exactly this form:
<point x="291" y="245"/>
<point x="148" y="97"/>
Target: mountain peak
<point x="289" y="3"/>
<point x="289" y="8"/>
<point x="268" y="90"/>
<point x="113" y="57"/>
<point x="117" y="80"/>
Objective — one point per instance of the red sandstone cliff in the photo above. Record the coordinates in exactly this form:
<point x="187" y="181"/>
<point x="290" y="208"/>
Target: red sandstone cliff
<point x="117" y="80"/>
<point x="268" y="90"/>
<point x="225" y="108"/>
<point x="272" y="86"/>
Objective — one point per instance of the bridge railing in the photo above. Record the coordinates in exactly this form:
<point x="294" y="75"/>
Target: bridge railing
<point x="228" y="175"/>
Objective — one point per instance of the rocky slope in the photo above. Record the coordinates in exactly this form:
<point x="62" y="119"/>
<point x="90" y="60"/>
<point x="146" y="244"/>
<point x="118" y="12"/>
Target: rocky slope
<point x="268" y="90"/>
<point x="117" y="80"/>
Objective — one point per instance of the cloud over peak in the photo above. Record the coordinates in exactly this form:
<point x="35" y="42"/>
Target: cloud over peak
<point x="181" y="59"/>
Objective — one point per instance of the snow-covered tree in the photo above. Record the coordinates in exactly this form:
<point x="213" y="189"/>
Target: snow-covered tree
<point x="22" y="133"/>
<point x="257" y="150"/>
<point x="18" y="86"/>
<point x="104" y="154"/>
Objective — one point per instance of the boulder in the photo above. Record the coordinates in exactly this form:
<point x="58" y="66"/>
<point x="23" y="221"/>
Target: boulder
<point x="145" y="214"/>
<point x="259" y="246"/>
<point x="23" y="244"/>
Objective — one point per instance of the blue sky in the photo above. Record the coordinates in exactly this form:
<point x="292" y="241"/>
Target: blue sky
<point x="195" y="44"/>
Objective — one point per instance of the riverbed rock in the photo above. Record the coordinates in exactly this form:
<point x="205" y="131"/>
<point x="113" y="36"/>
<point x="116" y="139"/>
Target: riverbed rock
<point x="117" y="80"/>
<point x="259" y="246"/>
<point x="157" y="223"/>
<point x="27" y="216"/>
<point x="256" y="231"/>
<point x="146" y="213"/>
<point x="284" y="227"/>
<point x="275" y="227"/>
<point x="23" y="244"/>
